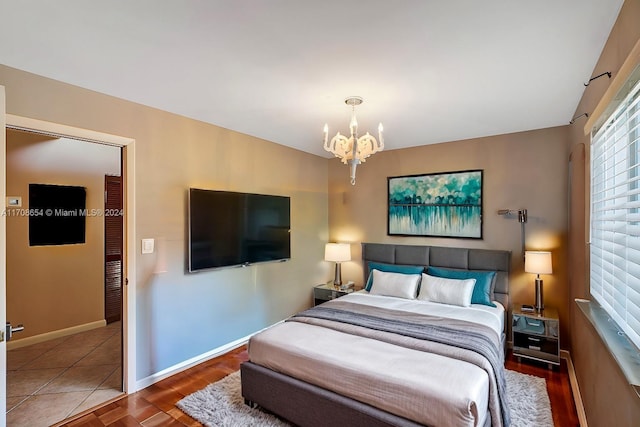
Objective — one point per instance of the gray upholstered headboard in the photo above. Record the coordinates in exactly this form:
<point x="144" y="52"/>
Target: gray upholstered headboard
<point x="436" y="256"/>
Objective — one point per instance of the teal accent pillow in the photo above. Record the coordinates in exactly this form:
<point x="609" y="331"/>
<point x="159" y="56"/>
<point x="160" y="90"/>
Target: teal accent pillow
<point x="391" y="268"/>
<point x="485" y="282"/>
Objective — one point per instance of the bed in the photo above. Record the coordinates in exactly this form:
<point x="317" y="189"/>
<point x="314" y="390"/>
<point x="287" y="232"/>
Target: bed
<point x="346" y="363"/>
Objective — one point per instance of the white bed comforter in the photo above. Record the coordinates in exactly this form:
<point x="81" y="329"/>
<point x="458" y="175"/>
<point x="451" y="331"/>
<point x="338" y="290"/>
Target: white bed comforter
<point x="424" y="387"/>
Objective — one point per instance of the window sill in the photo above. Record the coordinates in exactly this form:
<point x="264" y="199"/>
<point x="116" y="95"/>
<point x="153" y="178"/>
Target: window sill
<point x="623" y="351"/>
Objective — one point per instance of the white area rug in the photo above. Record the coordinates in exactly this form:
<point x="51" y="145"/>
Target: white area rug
<point x="221" y="404"/>
<point x="529" y="401"/>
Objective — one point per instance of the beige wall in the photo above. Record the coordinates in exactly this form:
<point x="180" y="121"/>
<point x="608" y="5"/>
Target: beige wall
<point x="521" y="170"/>
<point x="607" y="396"/>
<point x="181" y="315"/>
<point x="56" y="287"/>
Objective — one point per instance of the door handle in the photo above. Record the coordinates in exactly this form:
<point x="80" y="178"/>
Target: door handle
<point x="9" y="330"/>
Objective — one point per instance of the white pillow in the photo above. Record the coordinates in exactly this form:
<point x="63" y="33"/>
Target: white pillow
<point x="446" y="291"/>
<point x="395" y="284"/>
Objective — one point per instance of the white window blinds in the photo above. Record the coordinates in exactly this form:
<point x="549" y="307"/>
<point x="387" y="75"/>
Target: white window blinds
<point x="615" y="215"/>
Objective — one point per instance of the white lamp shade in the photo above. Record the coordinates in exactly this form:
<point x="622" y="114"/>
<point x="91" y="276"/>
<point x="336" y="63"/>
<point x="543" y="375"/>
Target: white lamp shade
<point x="337" y="252"/>
<point x="537" y="262"/>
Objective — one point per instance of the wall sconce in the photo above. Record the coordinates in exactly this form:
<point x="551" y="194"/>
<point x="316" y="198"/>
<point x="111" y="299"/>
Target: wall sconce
<point x="522" y="213"/>
<point x="538" y="262"/>
<point x="522" y="219"/>
<point x="338" y="253"/>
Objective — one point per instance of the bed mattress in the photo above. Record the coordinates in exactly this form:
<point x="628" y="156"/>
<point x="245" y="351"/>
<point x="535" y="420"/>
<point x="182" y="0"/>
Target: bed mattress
<point x="424" y="387"/>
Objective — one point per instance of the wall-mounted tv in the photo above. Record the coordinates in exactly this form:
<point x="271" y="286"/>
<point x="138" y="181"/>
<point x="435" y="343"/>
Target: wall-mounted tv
<point x="233" y="229"/>
<point x="57" y="214"/>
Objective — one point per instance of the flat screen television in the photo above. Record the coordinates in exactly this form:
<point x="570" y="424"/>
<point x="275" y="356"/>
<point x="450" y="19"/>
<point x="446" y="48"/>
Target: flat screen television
<point x="232" y="229"/>
<point x="57" y="214"/>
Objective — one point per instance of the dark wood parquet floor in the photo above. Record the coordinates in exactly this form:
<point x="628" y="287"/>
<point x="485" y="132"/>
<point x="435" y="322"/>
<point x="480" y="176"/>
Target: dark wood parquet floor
<point x="154" y="406"/>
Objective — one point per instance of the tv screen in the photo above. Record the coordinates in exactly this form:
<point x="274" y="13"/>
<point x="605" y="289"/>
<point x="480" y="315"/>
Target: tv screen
<point x="230" y="229"/>
<point x="57" y="214"/>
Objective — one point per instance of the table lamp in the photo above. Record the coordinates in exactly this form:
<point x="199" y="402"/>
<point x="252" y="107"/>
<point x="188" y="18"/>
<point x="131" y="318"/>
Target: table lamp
<point x="538" y="262"/>
<point x="338" y="253"/>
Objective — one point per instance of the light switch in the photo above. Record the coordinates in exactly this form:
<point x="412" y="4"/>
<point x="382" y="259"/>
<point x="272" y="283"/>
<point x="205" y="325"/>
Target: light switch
<point x="14" y="201"/>
<point x="148" y="246"/>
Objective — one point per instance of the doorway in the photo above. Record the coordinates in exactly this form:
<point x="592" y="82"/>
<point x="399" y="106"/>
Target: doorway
<point x="128" y="254"/>
<point x="65" y="359"/>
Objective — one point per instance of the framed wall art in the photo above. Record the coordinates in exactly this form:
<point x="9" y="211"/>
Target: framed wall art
<point x="446" y="204"/>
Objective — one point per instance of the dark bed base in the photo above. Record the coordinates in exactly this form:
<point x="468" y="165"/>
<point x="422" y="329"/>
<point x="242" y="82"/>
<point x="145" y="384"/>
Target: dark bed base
<point x="307" y="405"/>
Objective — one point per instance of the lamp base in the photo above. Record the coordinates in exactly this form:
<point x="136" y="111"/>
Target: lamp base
<point x="337" y="280"/>
<point x="539" y="295"/>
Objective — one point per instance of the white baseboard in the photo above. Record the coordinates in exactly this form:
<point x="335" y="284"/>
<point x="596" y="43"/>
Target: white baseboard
<point x="13" y="344"/>
<point x="577" y="398"/>
<point x="175" y="369"/>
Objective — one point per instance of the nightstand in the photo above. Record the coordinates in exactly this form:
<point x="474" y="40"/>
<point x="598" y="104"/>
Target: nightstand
<point x="327" y="292"/>
<point x="536" y="335"/>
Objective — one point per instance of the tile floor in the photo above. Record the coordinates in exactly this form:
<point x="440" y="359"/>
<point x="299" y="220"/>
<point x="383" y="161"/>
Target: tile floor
<point x="50" y="381"/>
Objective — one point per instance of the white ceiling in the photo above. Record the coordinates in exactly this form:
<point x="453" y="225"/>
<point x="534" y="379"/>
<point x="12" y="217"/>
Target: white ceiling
<point x="431" y="71"/>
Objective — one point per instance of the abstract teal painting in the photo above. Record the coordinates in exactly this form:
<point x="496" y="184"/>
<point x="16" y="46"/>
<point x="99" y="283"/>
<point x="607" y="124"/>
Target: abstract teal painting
<point x="436" y="205"/>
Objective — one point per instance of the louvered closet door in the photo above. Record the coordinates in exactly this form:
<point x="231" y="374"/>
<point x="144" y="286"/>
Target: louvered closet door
<point x="113" y="248"/>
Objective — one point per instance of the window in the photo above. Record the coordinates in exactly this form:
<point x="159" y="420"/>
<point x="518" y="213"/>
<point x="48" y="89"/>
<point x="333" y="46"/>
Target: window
<point x="615" y="214"/>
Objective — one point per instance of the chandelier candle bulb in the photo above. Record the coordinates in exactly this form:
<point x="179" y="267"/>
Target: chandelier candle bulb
<point x="326" y="135"/>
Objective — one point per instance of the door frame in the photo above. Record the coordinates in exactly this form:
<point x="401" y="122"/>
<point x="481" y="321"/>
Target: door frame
<point x="3" y="262"/>
<point x="129" y="259"/>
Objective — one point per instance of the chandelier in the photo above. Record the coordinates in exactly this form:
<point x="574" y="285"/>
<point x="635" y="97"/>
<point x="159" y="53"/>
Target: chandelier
<point x="353" y="150"/>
